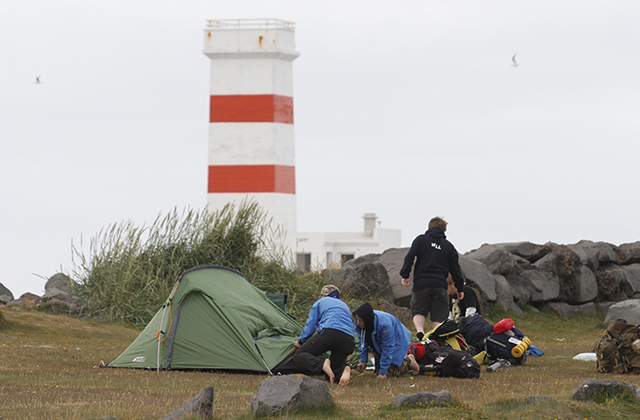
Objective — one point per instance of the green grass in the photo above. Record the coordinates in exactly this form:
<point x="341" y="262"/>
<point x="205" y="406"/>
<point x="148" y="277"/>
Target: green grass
<point x="49" y="368"/>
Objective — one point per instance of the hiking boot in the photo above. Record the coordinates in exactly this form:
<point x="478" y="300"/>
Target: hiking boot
<point x="420" y="335"/>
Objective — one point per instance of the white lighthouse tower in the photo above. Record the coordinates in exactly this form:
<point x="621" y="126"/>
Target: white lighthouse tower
<point x="251" y="138"/>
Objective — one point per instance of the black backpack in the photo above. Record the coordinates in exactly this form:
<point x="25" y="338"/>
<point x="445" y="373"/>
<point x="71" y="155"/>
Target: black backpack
<point x="448" y="334"/>
<point x="449" y="362"/>
<point x="475" y="330"/>
<point x="498" y="346"/>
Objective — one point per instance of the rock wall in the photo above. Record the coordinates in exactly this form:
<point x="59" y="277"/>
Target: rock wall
<point x="513" y="275"/>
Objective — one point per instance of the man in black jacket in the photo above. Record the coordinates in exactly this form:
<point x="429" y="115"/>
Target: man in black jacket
<point x="435" y="257"/>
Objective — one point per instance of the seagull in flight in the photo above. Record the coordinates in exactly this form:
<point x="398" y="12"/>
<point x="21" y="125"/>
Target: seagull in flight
<point x="38" y="80"/>
<point x="513" y="59"/>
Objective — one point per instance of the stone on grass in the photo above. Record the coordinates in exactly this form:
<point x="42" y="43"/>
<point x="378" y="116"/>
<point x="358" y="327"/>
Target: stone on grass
<point x="590" y="388"/>
<point x="201" y="406"/>
<point x="629" y="310"/>
<point x="422" y="398"/>
<point x="290" y="393"/>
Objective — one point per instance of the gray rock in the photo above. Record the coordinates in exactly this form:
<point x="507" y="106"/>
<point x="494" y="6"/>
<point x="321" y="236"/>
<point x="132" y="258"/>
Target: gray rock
<point x="4" y="299"/>
<point x="527" y="250"/>
<point x="599" y="253"/>
<point x="479" y="276"/>
<point x="60" y="281"/>
<point x="629" y="310"/>
<point x="422" y="398"/>
<point x="633" y="276"/>
<point x="564" y="310"/>
<point x="586" y="285"/>
<point x="56" y="300"/>
<point x="29" y="299"/>
<point x="201" y="406"/>
<point x="364" y="279"/>
<point x="505" y="297"/>
<point x="588" y="389"/>
<point x="393" y="259"/>
<point x="521" y="288"/>
<point x="6" y="292"/>
<point x="290" y="393"/>
<point x="630" y="253"/>
<point x="546" y="284"/>
<point x="613" y="283"/>
<point x="497" y="260"/>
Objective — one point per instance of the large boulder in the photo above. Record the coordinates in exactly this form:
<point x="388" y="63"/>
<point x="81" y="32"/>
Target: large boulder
<point x="521" y="288"/>
<point x="546" y="284"/>
<point x="56" y="300"/>
<point x="497" y="260"/>
<point x="613" y="283"/>
<point x="599" y="253"/>
<point x="59" y="281"/>
<point x="505" y="296"/>
<point x="633" y="276"/>
<point x="290" y="393"/>
<point x="564" y="310"/>
<point x="479" y="276"/>
<point x="527" y="250"/>
<point x="627" y="310"/>
<point x="364" y="279"/>
<point x="566" y="265"/>
<point x="630" y="253"/>
<point x="5" y="295"/>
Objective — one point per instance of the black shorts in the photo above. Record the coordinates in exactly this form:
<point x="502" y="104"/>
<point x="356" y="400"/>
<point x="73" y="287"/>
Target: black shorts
<point x="434" y="300"/>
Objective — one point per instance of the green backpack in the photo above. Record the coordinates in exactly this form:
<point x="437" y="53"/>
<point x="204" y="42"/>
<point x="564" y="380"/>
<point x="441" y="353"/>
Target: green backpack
<point x="614" y="349"/>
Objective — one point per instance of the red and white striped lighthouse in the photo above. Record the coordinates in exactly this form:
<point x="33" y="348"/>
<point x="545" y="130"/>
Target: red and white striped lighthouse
<point x="251" y="138"/>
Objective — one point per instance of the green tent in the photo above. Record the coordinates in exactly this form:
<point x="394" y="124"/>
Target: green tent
<point x="214" y="319"/>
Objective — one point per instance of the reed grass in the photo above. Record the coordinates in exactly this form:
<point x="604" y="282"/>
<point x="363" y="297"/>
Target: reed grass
<point x="129" y="271"/>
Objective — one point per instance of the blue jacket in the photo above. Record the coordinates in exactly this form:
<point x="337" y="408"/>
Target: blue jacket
<point x="390" y="338"/>
<point x="327" y="312"/>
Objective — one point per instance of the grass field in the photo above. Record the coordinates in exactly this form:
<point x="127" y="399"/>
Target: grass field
<point x="50" y="369"/>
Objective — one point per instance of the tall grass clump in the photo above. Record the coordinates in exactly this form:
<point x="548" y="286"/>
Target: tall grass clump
<point x="129" y="271"/>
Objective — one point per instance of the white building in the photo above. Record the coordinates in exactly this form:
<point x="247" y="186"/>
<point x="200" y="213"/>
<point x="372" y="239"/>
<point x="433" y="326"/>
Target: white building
<point x="331" y="249"/>
<point x="251" y="138"/>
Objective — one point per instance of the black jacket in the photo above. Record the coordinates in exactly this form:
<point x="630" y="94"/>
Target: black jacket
<point x="435" y="258"/>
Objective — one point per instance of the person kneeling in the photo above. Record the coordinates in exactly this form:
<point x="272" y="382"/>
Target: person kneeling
<point x="387" y="338"/>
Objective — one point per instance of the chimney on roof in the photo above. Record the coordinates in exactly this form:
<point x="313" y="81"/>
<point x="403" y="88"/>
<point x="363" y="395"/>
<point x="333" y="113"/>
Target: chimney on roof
<point x="369" y="223"/>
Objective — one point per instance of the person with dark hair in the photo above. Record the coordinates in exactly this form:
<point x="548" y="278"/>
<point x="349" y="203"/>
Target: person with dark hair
<point x="387" y="338"/>
<point x="435" y="257"/>
<point x="468" y="306"/>
<point x="329" y="328"/>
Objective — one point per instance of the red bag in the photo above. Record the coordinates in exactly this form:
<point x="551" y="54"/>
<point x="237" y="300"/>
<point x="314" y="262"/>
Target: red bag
<point x="417" y="349"/>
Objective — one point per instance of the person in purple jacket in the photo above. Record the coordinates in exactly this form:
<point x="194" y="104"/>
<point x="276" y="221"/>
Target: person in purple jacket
<point x="329" y="328"/>
<point x="435" y="257"/>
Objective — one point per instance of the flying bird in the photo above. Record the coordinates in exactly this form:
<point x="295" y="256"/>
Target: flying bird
<point x="513" y="59"/>
<point x="38" y="80"/>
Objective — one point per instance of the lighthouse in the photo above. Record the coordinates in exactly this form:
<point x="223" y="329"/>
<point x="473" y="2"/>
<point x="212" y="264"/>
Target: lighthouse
<point x="251" y="136"/>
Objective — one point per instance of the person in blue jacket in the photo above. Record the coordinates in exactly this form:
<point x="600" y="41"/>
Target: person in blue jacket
<point x="387" y="338"/>
<point x="329" y="328"/>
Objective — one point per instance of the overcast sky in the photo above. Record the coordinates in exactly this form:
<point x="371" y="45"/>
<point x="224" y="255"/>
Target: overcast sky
<point x="407" y="109"/>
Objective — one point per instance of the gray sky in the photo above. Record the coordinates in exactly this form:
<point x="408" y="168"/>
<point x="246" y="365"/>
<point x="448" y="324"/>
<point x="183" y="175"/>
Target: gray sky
<point x="408" y="109"/>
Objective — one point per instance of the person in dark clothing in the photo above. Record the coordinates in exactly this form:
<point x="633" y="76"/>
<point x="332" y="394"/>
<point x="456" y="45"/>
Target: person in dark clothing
<point x="435" y="257"/>
<point x="468" y="306"/>
<point x="328" y="328"/>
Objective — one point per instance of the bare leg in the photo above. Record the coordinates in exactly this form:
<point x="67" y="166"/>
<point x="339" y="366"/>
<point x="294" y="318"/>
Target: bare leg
<point x="326" y="368"/>
<point x="346" y="376"/>
<point x="415" y="367"/>
<point x="435" y="324"/>
<point x="418" y="321"/>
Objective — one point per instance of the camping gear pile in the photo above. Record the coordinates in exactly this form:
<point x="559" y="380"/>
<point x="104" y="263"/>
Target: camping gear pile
<point x="618" y="349"/>
<point x="458" y="349"/>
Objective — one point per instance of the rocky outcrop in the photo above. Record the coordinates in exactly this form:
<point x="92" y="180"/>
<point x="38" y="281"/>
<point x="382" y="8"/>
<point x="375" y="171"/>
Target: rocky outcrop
<point x="423" y="398"/>
<point x="568" y="279"/>
<point x="591" y="388"/>
<point x="199" y="406"/>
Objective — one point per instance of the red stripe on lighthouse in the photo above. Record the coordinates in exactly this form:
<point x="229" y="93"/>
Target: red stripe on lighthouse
<point x="252" y="179"/>
<point x="251" y="108"/>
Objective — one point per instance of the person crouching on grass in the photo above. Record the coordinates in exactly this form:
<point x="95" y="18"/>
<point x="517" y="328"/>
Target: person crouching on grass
<point x="330" y="320"/>
<point x="387" y="338"/>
